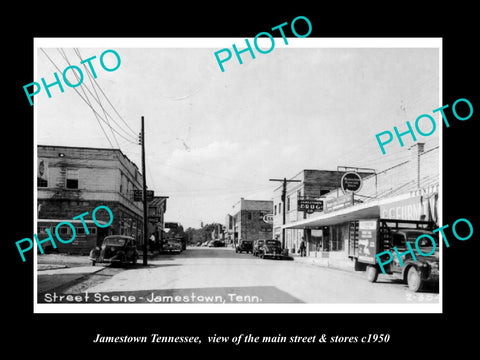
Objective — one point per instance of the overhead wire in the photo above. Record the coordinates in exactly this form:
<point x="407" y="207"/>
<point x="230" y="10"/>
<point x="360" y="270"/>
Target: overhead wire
<point x="77" y="51"/>
<point x="64" y="55"/>
<point x="93" y="109"/>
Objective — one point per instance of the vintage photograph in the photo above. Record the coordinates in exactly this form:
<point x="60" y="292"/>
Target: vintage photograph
<point x="166" y="185"/>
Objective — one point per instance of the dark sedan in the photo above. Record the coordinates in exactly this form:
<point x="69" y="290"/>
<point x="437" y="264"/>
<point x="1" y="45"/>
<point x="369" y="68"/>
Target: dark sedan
<point x="244" y="245"/>
<point x="118" y="249"/>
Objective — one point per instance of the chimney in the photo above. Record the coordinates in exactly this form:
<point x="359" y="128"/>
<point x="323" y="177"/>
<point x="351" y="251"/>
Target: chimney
<point x="416" y="151"/>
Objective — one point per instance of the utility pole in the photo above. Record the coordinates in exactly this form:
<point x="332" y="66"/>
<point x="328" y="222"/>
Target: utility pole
<point x="284" y="196"/>
<point x="144" y="196"/>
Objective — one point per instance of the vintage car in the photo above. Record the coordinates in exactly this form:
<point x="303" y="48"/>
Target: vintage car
<point x="271" y="249"/>
<point x="257" y="245"/>
<point x="172" y="246"/>
<point x="115" y="249"/>
<point x="216" y="243"/>
<point x="244" y="246"/>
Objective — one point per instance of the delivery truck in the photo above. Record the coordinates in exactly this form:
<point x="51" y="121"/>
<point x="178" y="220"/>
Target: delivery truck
<point x="369" y="237"/>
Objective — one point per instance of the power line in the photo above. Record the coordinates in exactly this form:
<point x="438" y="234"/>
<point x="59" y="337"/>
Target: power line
<point x="88" y="102"/>
<point x="53" y="63"/>
<point x="77" y="51"/>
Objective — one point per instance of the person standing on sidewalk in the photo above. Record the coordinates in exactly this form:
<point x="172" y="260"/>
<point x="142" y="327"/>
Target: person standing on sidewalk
<point x="303" y="249"/>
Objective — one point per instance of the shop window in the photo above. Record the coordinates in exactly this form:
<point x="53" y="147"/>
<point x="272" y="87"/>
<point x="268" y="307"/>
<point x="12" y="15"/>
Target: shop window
<point x="72" y="179"/>
<point x="80" y="230"/>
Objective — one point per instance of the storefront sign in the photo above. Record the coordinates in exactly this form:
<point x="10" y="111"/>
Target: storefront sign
<point x="408" y="209"/>
<point x="310" y="206"/>
<point x="351" y="182"/>
<point x="367" y="233"/>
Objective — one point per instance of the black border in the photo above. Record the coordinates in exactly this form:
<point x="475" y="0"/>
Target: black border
<point x="427" y="332"/>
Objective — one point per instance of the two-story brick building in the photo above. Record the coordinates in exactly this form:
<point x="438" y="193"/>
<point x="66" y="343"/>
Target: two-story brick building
<point x="248" y="222"/>
<point x="309" y="184"/>
<point x="75" y="180"/>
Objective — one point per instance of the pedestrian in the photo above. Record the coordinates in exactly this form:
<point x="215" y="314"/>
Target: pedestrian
<point x="302" y="247"/>
<point x="152" y="242"/>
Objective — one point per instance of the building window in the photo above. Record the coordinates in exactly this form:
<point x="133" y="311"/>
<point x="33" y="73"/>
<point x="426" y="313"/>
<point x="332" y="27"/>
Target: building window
<point x="279" y="208"/>
<point x="275" y="210"/>
<point x="42" y="182"/>
<point x="72" y="179"/>
<point x="288" y="203"/>
<point x="249" y="216"/>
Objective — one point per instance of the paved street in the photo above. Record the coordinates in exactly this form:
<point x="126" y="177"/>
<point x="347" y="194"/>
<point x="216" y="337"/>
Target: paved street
<point x="202" y="274"/>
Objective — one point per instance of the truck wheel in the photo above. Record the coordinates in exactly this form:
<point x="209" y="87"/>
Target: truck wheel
<point x="414" y="280"/>
<point x="372" y="273"/>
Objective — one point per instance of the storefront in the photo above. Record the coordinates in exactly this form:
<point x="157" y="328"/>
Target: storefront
<point x="328" y="233"/>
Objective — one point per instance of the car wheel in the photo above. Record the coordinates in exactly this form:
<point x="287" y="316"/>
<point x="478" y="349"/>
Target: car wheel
<point x="93" y="262"/>
<point x="414" y="279"/>
<point x="372" y="273"/>
<point x="262" y="255"/>
<point x="134" y="261"/>
<point x="236" y="250"/>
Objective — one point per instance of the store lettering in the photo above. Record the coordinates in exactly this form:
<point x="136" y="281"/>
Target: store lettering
<point x="228" y="54"/>
<point x="424" y="124"/>
<point x="50" y="239"/>
<point x="386" y="257"/>
<point x="406" y="212"/>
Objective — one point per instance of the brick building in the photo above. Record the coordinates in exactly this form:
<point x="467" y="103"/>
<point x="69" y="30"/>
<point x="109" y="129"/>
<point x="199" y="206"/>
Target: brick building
<point x="248" y="221"/>
<point x="310" y="184"/>
<point x="407" y="191"/>
<point x="75" y="180"/>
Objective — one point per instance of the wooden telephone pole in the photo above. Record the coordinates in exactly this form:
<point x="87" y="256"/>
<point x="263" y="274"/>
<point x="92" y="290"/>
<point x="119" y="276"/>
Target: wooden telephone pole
<point x="144" y="197"/>
<point x="284" y="196"/>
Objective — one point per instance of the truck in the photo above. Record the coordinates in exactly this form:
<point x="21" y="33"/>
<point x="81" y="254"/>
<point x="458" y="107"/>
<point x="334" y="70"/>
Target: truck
<point x="369" y="237"/>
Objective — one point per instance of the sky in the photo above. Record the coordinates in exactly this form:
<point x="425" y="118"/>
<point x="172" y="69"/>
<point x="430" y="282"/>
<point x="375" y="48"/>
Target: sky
<point x="213" y="137"/>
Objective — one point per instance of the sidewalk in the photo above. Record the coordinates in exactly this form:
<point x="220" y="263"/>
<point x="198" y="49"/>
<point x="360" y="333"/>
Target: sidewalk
<point x="342" y="264"/>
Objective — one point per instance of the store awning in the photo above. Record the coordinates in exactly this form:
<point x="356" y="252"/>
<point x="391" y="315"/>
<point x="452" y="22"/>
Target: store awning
<point x="368" y="210"/>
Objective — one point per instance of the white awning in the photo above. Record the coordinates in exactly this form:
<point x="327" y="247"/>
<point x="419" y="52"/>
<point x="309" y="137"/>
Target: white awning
<point x="366" y="210"/>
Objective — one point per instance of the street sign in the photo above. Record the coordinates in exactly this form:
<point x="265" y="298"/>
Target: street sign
<point x="309" y="205"/>
<point x="351" y="182"/>
<point x="268" y="218"/>
<point x="138" y="195"/>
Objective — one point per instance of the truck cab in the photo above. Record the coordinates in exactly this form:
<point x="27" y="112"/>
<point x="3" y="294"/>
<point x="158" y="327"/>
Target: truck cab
<point x="370" y="237"/>
<point x="415" y="272"/>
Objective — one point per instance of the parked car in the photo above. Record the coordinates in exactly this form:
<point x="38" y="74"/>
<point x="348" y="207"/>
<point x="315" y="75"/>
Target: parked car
<point x="115" y="249"/>
<point x="257" y="246"/>
<point x="172" y="246"/>
<point x="244" y="245"/>
<point x="216" y="243"/>
<point x="271" y="249"/>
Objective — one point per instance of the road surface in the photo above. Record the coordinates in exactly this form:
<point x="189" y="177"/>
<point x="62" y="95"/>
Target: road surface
<point x="220" y="275"/>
